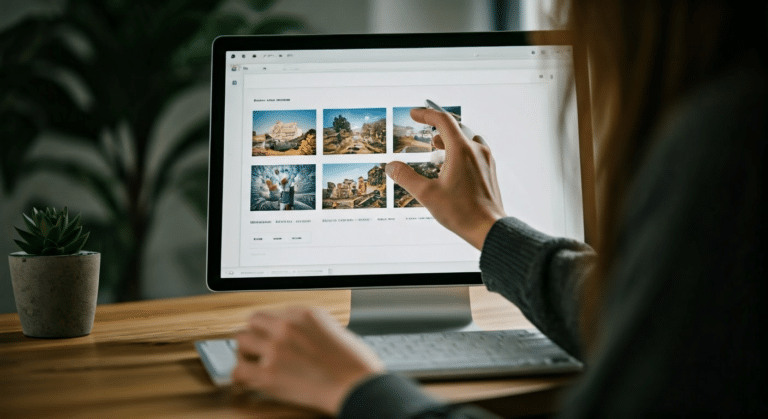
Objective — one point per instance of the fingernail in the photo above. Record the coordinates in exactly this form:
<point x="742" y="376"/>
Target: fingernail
<point x="390" y="170"/>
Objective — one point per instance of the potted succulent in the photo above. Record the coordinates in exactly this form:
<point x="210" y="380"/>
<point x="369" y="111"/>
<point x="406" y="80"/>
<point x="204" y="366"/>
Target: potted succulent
<point x="55" y="283"/>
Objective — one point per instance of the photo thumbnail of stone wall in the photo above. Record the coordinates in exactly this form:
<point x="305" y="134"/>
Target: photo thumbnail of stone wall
<point x="284" y="133"/>
<point x="402" y="198"/>
<point x="355" y="131"/>
<point x="284" y="187"/>
<point x="354" y="185"/>
<point x="409" y="136"/>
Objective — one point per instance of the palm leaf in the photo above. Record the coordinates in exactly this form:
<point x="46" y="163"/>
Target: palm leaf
<point x="192" y="183"/>
<point x="198" y="134"/>
<point x="103" y="189"/>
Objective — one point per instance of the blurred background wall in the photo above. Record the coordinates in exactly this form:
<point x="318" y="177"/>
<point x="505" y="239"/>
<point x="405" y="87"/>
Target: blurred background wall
<point x="104" y="108"/>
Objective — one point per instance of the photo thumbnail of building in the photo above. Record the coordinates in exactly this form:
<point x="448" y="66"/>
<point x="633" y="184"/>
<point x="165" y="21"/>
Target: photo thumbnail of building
<point x="285" y="187"/>
<point x="284" y="132"/>
<point x="409" y="136"/>
<point x="355" y="131"/>
<point x="403" y="199"/>
<point x="354" y="185"/>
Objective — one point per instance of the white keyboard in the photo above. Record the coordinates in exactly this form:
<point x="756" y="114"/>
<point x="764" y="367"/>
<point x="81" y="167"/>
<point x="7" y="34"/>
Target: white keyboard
<point x="436" y="355"/>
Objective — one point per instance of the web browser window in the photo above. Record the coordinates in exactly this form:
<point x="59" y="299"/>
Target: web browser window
<point x="308" y="133"/>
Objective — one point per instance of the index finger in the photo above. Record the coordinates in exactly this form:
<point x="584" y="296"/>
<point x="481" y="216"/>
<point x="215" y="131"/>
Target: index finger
<point x="446" y="124"/>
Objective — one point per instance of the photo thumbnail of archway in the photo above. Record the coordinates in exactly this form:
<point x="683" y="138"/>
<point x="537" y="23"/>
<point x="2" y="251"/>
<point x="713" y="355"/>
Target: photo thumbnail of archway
<point x="355" y="131"/>
<point x="283" y="187"/>
<point x="354" y="185"/>
<point x="403" y="199"/>
<point x="284" y="133"/>
<point x="409" y="136"/>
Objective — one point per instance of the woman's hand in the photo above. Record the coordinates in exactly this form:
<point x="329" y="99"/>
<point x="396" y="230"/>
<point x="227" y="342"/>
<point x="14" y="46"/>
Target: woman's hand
<point x="465" y="197"/>
<point x="302" y="356"/>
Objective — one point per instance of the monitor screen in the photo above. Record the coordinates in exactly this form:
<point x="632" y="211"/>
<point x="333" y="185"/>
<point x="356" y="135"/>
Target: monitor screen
<point x="305" y="134"/>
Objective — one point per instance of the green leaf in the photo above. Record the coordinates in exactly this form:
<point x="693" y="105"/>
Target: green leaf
<point x="196" y="134"/>
<point x="31" y="226"/>
<point x="26" y="247"/>
<point x="70" y="227"/>
<point x="55" y="234"/>
<point x="75" y="246"/>
<point x="45" y="225"/>
<point x="33" y="240"/>
<point x="50" y="251"/>
<point x="76" y="221"/>
<point x="71" y="236"/>
<point x="38" y="216"/>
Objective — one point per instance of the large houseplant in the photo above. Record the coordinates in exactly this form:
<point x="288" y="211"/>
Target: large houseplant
<point x="55" y="283"/>
<point x="103" y="78"/>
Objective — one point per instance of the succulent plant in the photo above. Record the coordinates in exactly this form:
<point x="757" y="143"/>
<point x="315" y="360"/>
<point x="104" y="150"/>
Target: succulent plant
<point x="50" y="233"/>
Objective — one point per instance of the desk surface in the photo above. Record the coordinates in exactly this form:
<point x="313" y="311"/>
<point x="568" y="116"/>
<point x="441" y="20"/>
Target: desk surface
<point x="139" y="361"/>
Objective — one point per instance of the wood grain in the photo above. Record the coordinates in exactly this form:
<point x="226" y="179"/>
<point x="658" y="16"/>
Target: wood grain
<point x="139" y="361"/>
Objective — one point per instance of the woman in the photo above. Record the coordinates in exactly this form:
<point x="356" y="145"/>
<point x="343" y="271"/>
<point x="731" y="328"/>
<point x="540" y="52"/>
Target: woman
<point x="668" y="317"/>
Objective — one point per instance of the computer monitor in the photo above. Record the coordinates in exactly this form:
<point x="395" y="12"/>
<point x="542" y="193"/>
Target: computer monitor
<point x="302" y="127"/>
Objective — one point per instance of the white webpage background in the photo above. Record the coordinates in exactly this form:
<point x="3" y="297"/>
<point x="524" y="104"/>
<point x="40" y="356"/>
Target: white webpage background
<point x="516" y="110"/>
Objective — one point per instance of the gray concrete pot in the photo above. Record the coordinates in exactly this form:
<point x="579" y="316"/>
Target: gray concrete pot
<point x="55" y="295"/>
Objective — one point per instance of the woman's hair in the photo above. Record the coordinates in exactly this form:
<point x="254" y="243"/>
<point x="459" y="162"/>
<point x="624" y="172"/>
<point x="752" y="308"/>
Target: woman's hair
<point x="643" y="56"/>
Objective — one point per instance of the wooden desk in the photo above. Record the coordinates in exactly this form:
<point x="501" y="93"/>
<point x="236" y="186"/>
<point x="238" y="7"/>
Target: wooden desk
<point x="139" y="361"/>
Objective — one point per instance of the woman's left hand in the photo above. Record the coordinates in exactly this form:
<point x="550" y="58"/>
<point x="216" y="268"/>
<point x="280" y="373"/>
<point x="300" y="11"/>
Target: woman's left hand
<point x="302" y="356"/>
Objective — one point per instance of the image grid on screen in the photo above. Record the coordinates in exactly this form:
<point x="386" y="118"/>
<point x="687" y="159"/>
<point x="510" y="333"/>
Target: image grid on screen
<point x="284" y="132"/>
<point x="355" y="131"/>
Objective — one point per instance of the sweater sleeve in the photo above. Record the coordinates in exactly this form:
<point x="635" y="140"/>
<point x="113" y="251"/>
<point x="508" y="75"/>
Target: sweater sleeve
<point x="540" y="274"/>
<point x="537" y="272"/>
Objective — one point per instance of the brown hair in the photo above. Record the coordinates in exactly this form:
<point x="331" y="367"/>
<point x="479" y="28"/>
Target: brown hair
<point x="643" y="57"/>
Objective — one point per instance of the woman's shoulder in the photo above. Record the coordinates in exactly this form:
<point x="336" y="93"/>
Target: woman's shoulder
<point x="721" y="114"/>
<point x="705" y="159"/>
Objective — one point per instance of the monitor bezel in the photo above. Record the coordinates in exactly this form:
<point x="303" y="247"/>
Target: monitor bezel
<point x="223" y="44"/>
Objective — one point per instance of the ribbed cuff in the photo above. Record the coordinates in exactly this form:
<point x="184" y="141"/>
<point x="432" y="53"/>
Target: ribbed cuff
<point x="389" y="396"/>
<point x="509" y="253"/>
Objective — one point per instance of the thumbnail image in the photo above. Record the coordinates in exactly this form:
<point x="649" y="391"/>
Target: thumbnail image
<point x="355" y="131"/>
<point x="283" y="187"/>
<point x="410" y="136"/>
<point x="354" y="185"/>
<point x="283" y="133"/>
<point x="403" y="199"/>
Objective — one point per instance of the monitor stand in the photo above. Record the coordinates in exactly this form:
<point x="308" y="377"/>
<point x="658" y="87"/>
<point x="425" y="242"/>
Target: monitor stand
<point x="410" y="310"/>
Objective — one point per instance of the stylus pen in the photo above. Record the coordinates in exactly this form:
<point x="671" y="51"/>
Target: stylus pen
<point x="464" y="129"/>
<point x="438" y="156"/>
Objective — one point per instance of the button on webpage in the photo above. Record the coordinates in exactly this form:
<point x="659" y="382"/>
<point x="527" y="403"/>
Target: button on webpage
<point x="298" y="237"/>
<point x="270" y="239"/>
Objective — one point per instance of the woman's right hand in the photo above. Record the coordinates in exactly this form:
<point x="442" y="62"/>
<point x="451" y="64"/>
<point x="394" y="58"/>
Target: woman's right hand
<point x="465" y="197"/>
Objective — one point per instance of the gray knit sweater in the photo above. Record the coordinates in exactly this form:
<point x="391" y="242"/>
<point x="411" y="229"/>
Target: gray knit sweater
<point x="683" y="323"/>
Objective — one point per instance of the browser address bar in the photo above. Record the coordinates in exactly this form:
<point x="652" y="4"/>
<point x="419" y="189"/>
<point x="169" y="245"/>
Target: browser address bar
<point x="390" y="78"/>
